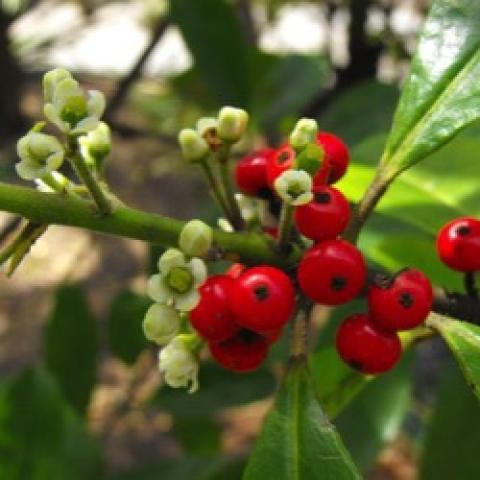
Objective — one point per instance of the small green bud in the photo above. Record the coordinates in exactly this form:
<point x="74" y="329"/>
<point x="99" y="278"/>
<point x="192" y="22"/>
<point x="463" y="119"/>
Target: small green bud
<point x="180" y="280"/>
<point x="304" y="133"/>
<point x="196" y="238"/>
<point x="294" y="187"/>
<point x="206" y="124"/>
<point x="193" y="145"/>
<point x="232" y="124"/>
<point x="97" y="144"/>
<point x="50" y="81"/>
<point x="310" y="159"/>
<point x="161" y="323"/>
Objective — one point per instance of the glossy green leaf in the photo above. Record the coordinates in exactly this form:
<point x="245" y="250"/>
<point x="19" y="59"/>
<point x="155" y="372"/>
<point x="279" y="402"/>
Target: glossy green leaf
<point x="71" y="346"/>
<point x="377" y="414"/>
<point x="451" y="445"/>
<point x="42" y="438"/>
<point x="215" y="39"/>
<point x="125" y="330"/>
<point x="442" y="93"/>
<point x="463" y="340"/>
<point x="297" y="441"/>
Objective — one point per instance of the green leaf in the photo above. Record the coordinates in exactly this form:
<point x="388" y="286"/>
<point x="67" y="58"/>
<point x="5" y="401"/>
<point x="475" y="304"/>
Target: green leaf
<point x="442" y="93"/>
<point x="215" y="39"/>
<point x="219" y="389"/>
<point x="377" y="414"/>
<point x="464" y="341"/>
<point x="71" y="346"/>
<point x="297" y="441"/>
<point x="125" y="331"/>
<point x="198" y="435"/>
<point x="451" y="445"/>
<point x="41" y="436"/>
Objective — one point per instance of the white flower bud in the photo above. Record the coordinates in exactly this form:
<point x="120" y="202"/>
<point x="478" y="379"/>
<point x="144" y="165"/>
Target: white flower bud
<point x="97" y="144"/>
<point x="232" y="124"/>
<point x="248" y="207"/>
<point x="196" y="238"/>
<point x="304" y="133"/>
<point x="194" y="146"/>
<point x="294" y="187"/>
<point x="179" y="364"/>
<point x="40" y="154"/>
<point x="161" y="323"/>
<point x="206" y="124"/>
<point x="67" y="106"/>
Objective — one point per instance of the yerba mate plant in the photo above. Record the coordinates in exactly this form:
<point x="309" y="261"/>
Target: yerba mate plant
<point x="290" y="233"/>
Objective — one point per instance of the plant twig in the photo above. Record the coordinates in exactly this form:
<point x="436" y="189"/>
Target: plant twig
<point x="470" y="287"/>
<point x="215" y="188"/>
<point x="285" y="226"/>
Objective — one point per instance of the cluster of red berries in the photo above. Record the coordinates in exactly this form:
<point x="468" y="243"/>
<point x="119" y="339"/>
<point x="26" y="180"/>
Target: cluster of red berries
<point x="242" y="313"/>
<point x="370" y="342"/>
<point x="458" y="244"/>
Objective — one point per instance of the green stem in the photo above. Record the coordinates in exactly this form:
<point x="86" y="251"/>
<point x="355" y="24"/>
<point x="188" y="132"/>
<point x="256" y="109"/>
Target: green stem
<point x="51" y="208"/>
<point x="285" y="226"/>
<point x="226" y="178"/>
<point x="86" y="176"/>
<point x="215" y="188"/>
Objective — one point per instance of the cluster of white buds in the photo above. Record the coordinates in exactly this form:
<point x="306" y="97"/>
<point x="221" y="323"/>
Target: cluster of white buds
<point x="175" y="291"/>
<point x="294" y="187"/>
<point x="228" y="127"/>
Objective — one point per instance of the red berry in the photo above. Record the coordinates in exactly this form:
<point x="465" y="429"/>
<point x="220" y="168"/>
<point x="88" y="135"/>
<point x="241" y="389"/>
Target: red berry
<point x="326" y="216"/>
<point x="263" y="299"/>
<point x="403" y="303"/>
<point x="242" y="353"/>
<point x="281" y="160"/>
<point x="213" y="318"/>
<point x="458" y="244"/>
<point x="273" y="336"/>
<point x="336" y="159"/>
<point x="235" y="270"/>
<point x="272" y="231"/>
<point x="251" y="173"/>
<point x="365" y="347"/>
<point x="332" y="272"/>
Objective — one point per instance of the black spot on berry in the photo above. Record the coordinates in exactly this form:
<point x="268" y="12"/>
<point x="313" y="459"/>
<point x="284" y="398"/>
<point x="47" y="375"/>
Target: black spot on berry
<point x="322" y="197"/>
<point x="338" y="283"/>
<point x="248" y="336"/>
<point x="261" y="292"/>
<point x="356" y="365"/>
<point x="406" y="300"/>
<point x="283" y="157"/>
<point x="463" y="230"/>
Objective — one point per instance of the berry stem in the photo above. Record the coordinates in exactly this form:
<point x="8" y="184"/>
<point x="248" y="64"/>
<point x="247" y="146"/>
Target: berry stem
<point x="470" y="287"/>
<point x="86" y="176"/>
<point x="226" y="179"/>
<point x="285" y="226"/>
<point x="299" y="339"/>
<point x="215" y="188"/>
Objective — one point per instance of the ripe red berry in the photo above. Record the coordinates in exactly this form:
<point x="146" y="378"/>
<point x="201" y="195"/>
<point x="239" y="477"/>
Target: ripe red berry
<point x="458" y="244"/>
<point x="251" y="173"/>
<point x="281" y="159"/>
<point x="213" y="318"/>
<point x="263" y="299"/>
<point x="326" y="216"/>
<point x="242" y="353"/>
<point x="336" y="159"/>
<point x="403" y="303"/>
<point x="332" y="272"/>
<point x="272" y="231"/>
<point x="273" y="336"/>
<point x="365" y="347"/>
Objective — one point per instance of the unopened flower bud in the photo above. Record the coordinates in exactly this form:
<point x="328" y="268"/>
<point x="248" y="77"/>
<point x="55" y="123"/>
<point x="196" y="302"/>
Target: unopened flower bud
<point x="310" y="159"/>
<point x="97" y="144"/>
<point x="294" y="187"/>
<point x="206" y="125"/>
<point x="161" y="323"/>
<point x="304" y="133"/>
<point x="194" y="146"/>
<point x="232" y="124"/>
<point x="179" y="364"/>
<point x="196" y="238"/>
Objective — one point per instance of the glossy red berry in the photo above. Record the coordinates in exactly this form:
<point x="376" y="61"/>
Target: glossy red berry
<point x="332" y="272"/>
<point x="273" y="336"/>
<point x="263" y="299"/>
<point x="403" y="303"/>
<point x="242" y="353"/>
<point x="326" y="216"/>
<point x="336" y="159"/>
<point x="365" y="347"/>
<point x="251" y="173"/>
<point x="213" y="318"/>
<point x="458" y="244"/>
<point x="281" y="160"/>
